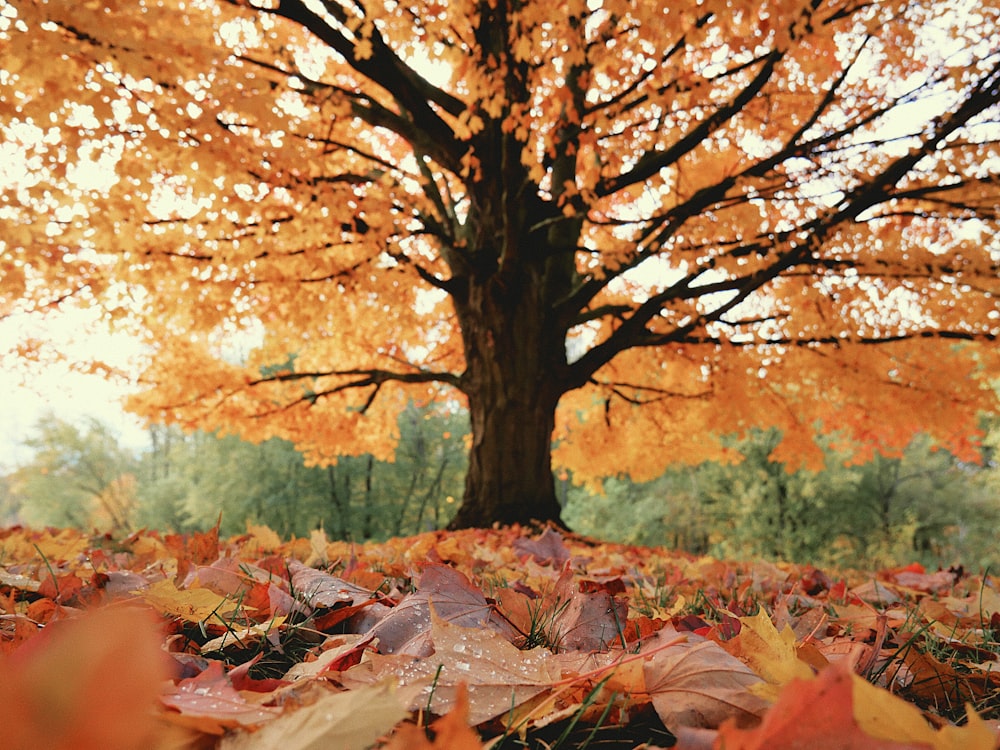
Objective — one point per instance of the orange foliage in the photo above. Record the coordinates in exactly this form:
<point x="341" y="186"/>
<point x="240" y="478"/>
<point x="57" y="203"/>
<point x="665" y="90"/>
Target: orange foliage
<point x="769" y="212"/>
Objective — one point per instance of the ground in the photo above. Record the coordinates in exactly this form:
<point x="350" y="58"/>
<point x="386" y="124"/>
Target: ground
<point x="510" y="638"/>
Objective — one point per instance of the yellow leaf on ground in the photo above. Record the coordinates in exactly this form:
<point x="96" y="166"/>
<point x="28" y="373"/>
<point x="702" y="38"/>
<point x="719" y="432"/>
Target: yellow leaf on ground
<point x="882" y="715"/>
<point x="817" y="714"/>
<point x="350" y="720"/>
<point x="194" y="605"/>
<point x="770" y="654"/>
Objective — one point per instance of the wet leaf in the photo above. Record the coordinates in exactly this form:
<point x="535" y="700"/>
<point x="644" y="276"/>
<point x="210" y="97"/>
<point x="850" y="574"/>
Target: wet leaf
<point x="406" y="628"/>
<point x="211" y="704"/>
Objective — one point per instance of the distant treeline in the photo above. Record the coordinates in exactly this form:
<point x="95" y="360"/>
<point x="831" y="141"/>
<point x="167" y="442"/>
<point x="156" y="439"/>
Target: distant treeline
<point x="922" y="506"/>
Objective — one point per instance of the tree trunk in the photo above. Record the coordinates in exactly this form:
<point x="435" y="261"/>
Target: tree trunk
<point x="510" y="469"/>
<point x="515" y="361"/>
<point x="513" y="264"/>
<point x="368" y="522"/>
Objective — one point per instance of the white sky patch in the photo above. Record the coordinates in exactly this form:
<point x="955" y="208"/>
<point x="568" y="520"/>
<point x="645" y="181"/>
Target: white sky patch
<point x="30" y="392"/>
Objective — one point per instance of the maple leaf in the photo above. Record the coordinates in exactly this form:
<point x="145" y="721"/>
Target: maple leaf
<point x="499" y="676"/>
<point x="338" y="653"/>
<point x="193" y="605"/>
<point x="840" y="710"/>
<point x="210" y="703"/>
<point x="350" y="720"/>
<point x="321" y="589"/>
<point x="547" y="549"/>
<point x="85" y="683"/>
<point x="770" y="654"/>
<point x="453" y="598"/>
<point x="697" y="684"/>
<point x="451" y="731"/>
<point x="584" y="620"/>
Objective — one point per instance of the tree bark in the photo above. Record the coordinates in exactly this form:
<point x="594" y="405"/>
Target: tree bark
<point x="510" y="472"/>
<point x="515" y="368"/>
<point x="514" y="261"/>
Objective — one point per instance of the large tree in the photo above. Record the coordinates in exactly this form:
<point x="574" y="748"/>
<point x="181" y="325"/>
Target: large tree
<point x="612" y="227"/>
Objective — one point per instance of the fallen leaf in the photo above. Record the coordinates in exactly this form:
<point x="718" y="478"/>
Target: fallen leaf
<point x="321" y="589"/>
<point x="262" y="540"/>
<point x="198" y="548"/>
<point x="585" y="620"/>
<point x="350" y="720"/>
<point x="695" y="683"/>
<point x="498" y="675"/>
<point x="65" y="589"/>
<point x="838" y="710"/>
<point x="336" y="651"/>
<point x="547" y="549"/>
<point x="406" y="628"/>
<point x="772" y="655"/>
<point x="193" y="605"/>
<point x="882" y="715"/>
<point x="451" y="731"/>
<point x="244" y="638"/>
<point x="84" y="683"/>
<point x="211" y="704"/>
<point x="241" y="679"/>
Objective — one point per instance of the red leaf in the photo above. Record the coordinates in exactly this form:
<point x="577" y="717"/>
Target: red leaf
<point x="210" y="703"/>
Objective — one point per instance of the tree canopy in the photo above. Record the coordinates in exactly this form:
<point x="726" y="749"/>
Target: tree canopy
<point x="615" y="228"/>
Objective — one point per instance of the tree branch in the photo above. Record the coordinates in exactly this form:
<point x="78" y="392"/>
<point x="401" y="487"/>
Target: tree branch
<point x="369" y="376"/>
<point x="410" y="90"/>
<point x="653" y="161"/>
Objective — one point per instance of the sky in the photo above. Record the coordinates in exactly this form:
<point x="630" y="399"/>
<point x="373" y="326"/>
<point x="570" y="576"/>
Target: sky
<point x="29" y="396"/>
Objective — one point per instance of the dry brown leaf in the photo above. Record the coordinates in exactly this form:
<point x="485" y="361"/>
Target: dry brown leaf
<point x="586" y="620"/>
<point x="697" y="684"/>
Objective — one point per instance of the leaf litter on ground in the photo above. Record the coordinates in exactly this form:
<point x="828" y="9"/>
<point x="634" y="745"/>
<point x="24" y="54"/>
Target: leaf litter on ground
<point x="504" y="638"/>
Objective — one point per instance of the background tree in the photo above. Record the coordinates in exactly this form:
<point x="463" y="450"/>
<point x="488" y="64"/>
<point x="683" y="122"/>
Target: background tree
<point x="355" y="498"/>
<point x="10" y="500"/>
<point x="923" y="505"/>
<point x="77" y="476"/>
<point x="714" y="211"/>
